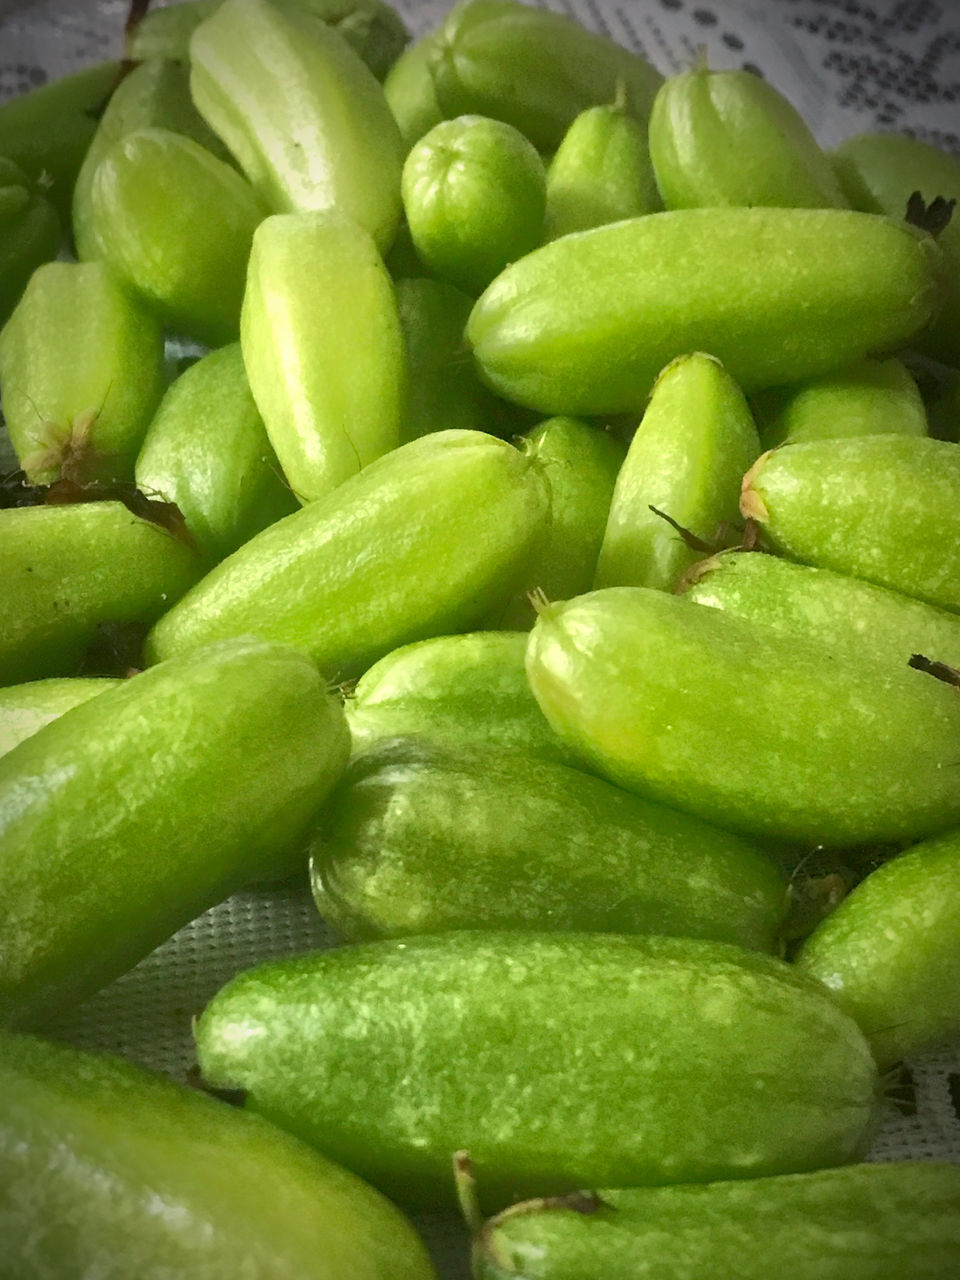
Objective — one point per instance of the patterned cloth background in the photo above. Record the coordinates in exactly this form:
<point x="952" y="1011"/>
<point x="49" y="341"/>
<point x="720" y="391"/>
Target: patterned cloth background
<point x="848" y="67"/>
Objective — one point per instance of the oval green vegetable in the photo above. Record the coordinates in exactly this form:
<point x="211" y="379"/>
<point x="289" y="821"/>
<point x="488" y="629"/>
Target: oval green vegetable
<point x="410" y="94"/>
<point x="306" y="120"/>
<point x="414" y="841"/>
<point x="423" y="542"/>
<point x="746" y="727"/>
<point x="128" y="1173"/>
<point x="30" y="234"/>
<point x="890" y="953"/>
<point x="71" y="569"/>
<point x="322" y="348"/>
<point x="81" y="368"/>
<point x="559" y="1061"/>
<point x="730" y="138"/>
<point x="26" y="708"/>
<point x="474" y="192"/>
<point x="685" y="460"/>
<point x="881" y="508"/>
<point x="221" y="759"/>
<point x="585" y="324"/>
<point x="533" y="68"/>
<point x="868" y="1222"/>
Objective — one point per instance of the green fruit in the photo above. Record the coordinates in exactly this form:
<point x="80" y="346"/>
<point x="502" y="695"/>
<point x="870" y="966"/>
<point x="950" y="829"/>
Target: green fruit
<point x="26" y="708"/>
<point x="532" y="68"/>
<point x="70" y="570"/>
<point x="880" y="508"/>
<point x="29" y="234"/>
<point x="890" y="953"/>
<point x="424" y="542"/>
<point x="560" y="1061"/>
<point x="868" y="1222"/>
<point x="130" y="815"/>
<point x="743" y="726"/>
<point x="474" y="193"/>
<point x="81" y="367"/>
<point x="585" y="324"/>
<point x="686" y="459"/>
<point x="322" y="348"/>
<point x="306" y="120"/>
<point x="410" y="94"/>
<point x="109" y="1170"/>
<point x="414" y="841"/>
<point x="729" y="138"/>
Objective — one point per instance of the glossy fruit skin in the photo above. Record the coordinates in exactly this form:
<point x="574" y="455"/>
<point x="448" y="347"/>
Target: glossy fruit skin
<point x="423" y="542"/>
<point x="410" y="94"/>
<point x="207" y="451"/>
<point x="890" y="953"/>
<point x="70" y="569"/>
<point x="414" y="841"/>
<point x="730" y="138"/>
<point x="831" y="609"/>
<point x="693" y="444"/>
<point x="746" y="727"/>
<point x="865" y="1222"/>
<point x="474" y="192"/>
<point x="81" y="367"/>
<point x="462" y="690"/>
<point x="322" y="348"/>
<point x="600" y="173"/>
<point x="90" y="1145"/>
<point x="582" y="464"/>
<point x="870" y="397"/>
<point x="48" y="130"/>
<point x="155" y="95"/>
<point x="26" y="708"/>
<point x="879" y="172"/>
<point x="880" y="508"/>
<point x="532" y="68"/>
<point x="131" y="814"/>
<point x="585" y="323"/>
<point x="305" y="119"/>
<point x="176" y="224"/>
<point x="30" y="234"/>
<point x="560" y="1061"/>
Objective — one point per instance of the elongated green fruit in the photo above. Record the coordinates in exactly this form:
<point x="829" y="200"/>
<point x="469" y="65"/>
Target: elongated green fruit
<point x="207" y="451"/>
<point x="155" y="95"/>
<point x="107" y="1169"/>
<point x="306" y="120"/>
<point x="867" y="1222"/>
<point x="879" y="172"/>
<point x="830" y="609"/>
<point x="81" y="368"/>
<point x="468" y="690"/>
<point x="890" y="953"/>
<point x="323" y="349"/>
<point x="870" y="397"/>
<point x="30" y="234"/>
<point x="695" y="439"/>
<point x="423" y="542"/>
<point x="176" y="225"/>
<point x="744" y="726"/>
<point x="47" y="131"/>
<point x="601" y="173"/>
<point x="131" y="814"/>
<point x="414" y="841"/>
<point x="410" y="94"/>
<point x="26" y="708"/>
<point x="581" y="464"/>
<point x="559" y="1061"/>
<point x="443" y="390"/>
<point x="585" y="324"/>
<point x="71" y="569"/>
<point x="730" y="138"/>
<point x="876" y="507"/>
<point x="533" y="68"/>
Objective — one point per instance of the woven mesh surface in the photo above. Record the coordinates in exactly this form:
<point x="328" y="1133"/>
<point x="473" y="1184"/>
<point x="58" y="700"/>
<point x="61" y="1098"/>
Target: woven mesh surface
<point x="848" y="67"/>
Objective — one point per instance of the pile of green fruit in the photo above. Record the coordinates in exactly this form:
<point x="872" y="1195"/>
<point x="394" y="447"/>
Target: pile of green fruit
<point x="556" y="550"/>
